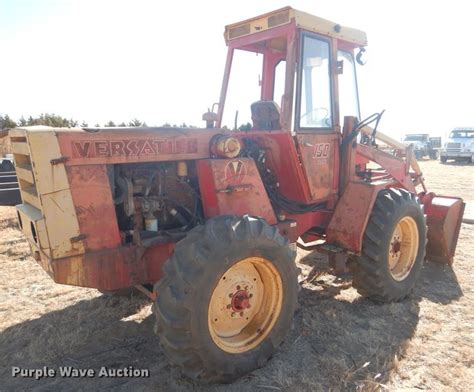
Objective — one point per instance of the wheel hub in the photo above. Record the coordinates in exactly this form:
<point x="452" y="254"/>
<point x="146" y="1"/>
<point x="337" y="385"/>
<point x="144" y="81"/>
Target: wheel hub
<point x="403" y="248"/>
<point x="240" y="301"/>
<point x="245" y="304"/>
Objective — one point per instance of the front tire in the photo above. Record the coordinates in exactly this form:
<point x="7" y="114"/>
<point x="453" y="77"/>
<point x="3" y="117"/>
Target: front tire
<point x="393" y="247"/>
<point x="227" y="299"/>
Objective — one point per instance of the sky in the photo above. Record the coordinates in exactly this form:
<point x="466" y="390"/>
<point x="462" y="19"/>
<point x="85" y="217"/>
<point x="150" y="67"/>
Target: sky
<point x="163" y="61"/>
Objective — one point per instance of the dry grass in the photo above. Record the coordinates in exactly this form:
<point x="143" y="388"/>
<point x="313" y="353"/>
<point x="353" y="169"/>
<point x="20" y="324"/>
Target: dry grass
<point x="339" y="341"/>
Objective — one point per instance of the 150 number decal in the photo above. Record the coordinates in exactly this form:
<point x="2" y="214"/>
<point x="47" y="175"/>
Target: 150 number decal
<point x="321" y="152"/>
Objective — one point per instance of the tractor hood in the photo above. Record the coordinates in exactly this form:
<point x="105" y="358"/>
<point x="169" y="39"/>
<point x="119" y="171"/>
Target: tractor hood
<point x="127" y="145"/>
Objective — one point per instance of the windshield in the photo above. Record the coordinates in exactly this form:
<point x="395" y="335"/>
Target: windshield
<point x="244" y="88"/>
<point x="414" y="138"/>
<point x="464" y="134"/>
<point x="348" y="97"/>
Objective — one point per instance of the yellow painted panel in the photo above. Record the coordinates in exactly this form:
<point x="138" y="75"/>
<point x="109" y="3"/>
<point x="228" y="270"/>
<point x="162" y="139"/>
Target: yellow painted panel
<point x="42" y="234"/>
<point x="326" y="27"/>
<point x="302" y="19"/>
<point x="44" y="146"/>
<point x="30" y="198"/>
<point x="16" y="132"/>
<point x="24" y="174"/>
<point x="31" y="215"/>
<point x="20" y="148"/>
<point x="61" y="224"/>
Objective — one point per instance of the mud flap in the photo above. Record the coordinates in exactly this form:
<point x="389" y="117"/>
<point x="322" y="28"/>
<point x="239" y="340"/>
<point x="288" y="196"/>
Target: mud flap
<point x="443" y="218"/>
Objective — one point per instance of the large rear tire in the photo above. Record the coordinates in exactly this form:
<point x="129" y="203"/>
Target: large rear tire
<point x="227" y="299"/>
<point x="393" y="247"/>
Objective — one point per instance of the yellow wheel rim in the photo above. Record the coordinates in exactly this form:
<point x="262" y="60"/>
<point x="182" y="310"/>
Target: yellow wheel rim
<point x="403" y="248"/>
<point x="245" y="305"/>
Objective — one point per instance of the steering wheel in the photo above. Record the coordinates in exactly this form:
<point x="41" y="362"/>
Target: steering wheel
<point x="322" y="118"/>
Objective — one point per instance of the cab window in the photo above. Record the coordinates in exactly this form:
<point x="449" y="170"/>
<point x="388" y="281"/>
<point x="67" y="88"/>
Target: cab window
<point x="348" y="96"/>
<point x="315" y="109"/>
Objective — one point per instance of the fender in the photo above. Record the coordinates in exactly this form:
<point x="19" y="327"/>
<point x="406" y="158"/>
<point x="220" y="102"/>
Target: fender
<point x="347" y="226"/>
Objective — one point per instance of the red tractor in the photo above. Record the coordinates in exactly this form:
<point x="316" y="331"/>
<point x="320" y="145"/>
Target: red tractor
<point x="203" y="220"/>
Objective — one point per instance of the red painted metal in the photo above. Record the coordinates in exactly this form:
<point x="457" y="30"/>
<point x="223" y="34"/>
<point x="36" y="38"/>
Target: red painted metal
<point x="443" y="218"/>
<point x="351" y="215"/>
<point x="270" y="61"/>
<point x="394" y="166"/>
<point x="111" y="146"/>
<point x="91" y="195"/>
<point x="320" y="158"/>
<point x="110" y="269"/>
<point x="283" y="159"/>
<point x="233" y="186"/>
<point x="318" y="219"/>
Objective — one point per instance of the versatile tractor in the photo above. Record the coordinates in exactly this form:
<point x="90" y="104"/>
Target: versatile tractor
<point x="204" y="221"/>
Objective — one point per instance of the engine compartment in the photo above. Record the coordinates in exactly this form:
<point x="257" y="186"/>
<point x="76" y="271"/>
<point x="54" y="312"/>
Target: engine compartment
<point x="156" y="200"/>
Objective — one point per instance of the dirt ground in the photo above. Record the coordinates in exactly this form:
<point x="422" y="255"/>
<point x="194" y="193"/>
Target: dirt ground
<point x="339" y="341"/>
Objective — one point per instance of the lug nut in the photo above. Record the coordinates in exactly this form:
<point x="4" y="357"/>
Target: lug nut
<point x="232" y="314"/>
<point x="238" y="287"/>
<point x="250" y="295"/>
<point x="229" y="306"/>
<point x="241" y="313"/>
<point x="231" y="295"/>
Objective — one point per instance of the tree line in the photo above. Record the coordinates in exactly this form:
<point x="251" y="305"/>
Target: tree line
<point x="54" y="120"/>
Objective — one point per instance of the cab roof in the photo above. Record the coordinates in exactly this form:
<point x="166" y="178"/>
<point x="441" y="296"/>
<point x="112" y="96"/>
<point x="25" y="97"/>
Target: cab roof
<point x="303" y="20"/>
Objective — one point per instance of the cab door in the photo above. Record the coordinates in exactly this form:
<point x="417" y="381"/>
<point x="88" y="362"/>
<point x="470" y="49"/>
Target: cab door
<point x="317" y="136"/>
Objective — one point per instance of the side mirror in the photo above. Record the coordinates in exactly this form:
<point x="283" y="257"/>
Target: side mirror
<point x="360" y="57"/>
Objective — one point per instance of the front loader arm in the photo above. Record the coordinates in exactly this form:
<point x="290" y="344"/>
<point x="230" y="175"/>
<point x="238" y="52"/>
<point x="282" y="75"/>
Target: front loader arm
<point x="360" y="184"/>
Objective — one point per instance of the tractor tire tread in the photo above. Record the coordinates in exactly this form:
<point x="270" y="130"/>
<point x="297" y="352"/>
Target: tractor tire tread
<point x="370" y="276"/>
<point x="183" y="274"/>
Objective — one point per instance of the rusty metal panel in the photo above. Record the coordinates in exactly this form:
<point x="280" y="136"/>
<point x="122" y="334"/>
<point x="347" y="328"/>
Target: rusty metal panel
<point x="110" y="146"/>
<point x="443" y="218"/>
<point x="110" y="269"/>
<point x="94" y="205"/>
<point x="347" y="226"/>
<point x="319" y="154"/>
<point x="233" y="186"/>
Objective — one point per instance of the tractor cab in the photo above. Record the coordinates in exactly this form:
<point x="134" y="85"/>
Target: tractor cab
<point x="307" y="64"/>
<point x="296" y="80"/>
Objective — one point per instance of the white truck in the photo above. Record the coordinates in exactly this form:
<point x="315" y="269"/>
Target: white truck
<point x="423" y="144"/>
<point x="459" y="146"/>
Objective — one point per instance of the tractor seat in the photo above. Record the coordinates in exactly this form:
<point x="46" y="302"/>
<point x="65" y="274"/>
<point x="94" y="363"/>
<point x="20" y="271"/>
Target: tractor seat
<point x="265" y="115"/>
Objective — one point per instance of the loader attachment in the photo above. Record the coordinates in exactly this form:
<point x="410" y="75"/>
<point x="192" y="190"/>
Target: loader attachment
<point x="443" y="218"/>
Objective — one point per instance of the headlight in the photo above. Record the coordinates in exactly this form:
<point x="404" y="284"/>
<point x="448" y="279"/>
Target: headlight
<point x="225" y="146"/>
